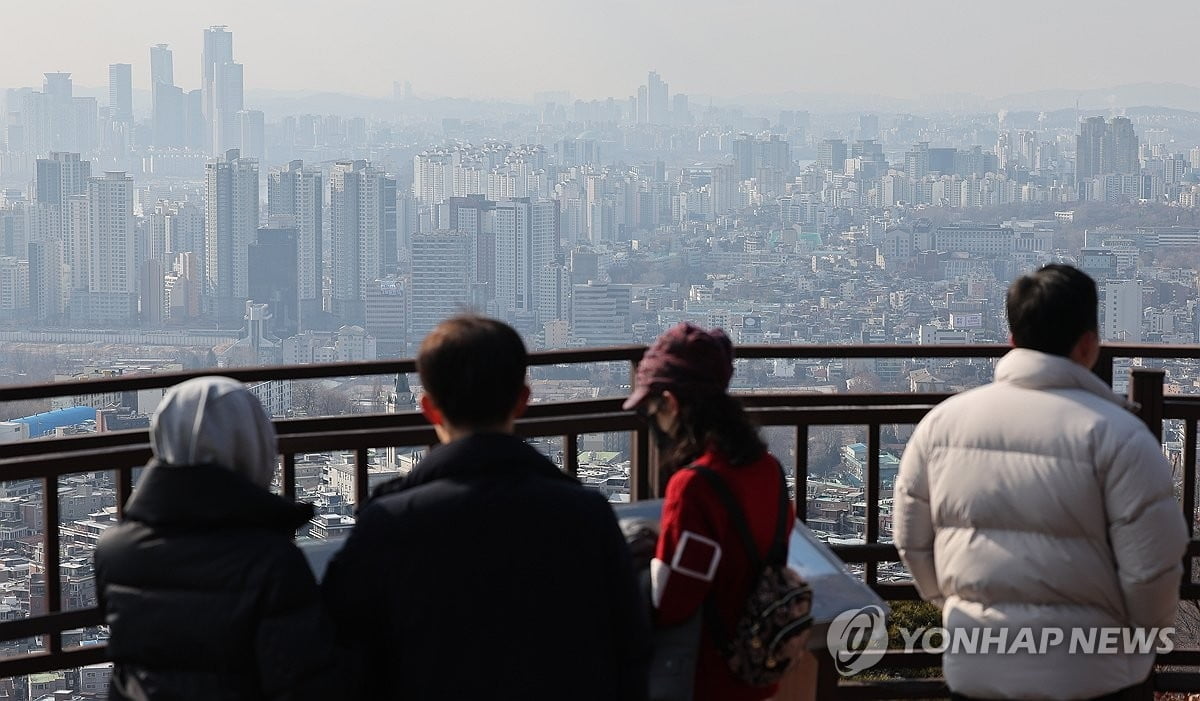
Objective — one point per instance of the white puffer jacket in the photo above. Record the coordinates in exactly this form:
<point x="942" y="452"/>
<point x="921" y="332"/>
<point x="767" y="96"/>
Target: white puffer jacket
<point x="1040" y="500"/>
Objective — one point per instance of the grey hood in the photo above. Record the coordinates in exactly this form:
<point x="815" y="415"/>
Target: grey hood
<point x="215" y="421"/>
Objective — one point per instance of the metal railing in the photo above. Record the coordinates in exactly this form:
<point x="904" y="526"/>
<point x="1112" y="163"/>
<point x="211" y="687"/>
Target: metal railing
<point x="49" y="459"/>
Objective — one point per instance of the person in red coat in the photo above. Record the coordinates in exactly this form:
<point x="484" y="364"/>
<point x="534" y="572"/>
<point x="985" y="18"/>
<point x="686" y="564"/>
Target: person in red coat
<point x="681" y="390"/>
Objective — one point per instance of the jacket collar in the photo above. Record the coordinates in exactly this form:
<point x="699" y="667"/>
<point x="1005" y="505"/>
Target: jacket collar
<point x="210" y="496"/>
<point x="477" y="455"/>
<point x="1032" y="369"/>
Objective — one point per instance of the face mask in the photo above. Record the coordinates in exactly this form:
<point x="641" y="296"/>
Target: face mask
<point x="662" y="439"/>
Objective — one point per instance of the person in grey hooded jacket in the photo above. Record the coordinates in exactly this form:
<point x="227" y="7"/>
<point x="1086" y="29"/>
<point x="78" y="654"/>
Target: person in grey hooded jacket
<point x="204" y="592"/>
<point x="1041" y="502"/>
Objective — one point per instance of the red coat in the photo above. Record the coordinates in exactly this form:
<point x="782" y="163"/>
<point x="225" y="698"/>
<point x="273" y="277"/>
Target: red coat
<point x="700" y="556"/>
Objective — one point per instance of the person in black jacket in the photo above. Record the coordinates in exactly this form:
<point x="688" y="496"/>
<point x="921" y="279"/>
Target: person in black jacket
<point x="204" y="592"/>
<point x="487" y="572"/>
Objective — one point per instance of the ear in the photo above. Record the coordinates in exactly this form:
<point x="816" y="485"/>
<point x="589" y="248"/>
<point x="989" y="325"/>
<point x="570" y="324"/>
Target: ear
<point x="522" y="402"/>
<point x="1011" y="342"/>
<point x="670" y="404"/>
<point x="432" y="414"/>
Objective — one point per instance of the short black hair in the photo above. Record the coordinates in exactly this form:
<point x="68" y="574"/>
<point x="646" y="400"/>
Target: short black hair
<point x="474" y="368"/>
<point x="1051" y="309"/>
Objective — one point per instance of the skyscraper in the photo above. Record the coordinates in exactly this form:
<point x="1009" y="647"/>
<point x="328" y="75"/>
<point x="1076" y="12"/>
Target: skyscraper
<point x="60" y="112"/>
<point x="252" y="129"/>
<point x="120" y="92"/>
<point x="230" y="225"/>
<point x="474" y="218"/>
<point x="658" y="110"/>
<point x="441" y="281"/>
<point x="60" y="176"/>
<point x="362" y="222"/>
<point x="162" y="65"/>
<point x="221" y="85"/>
<point x="294" y="195"/>
<point x="167" y="100"/>
<point x="1105" y="149"/>
<point x="272" y="278"/>
<point x="831" y="155"/>
<point x="526" y="243"/>
<point x="1123" y="311"/>
<point x="111" y="260"/>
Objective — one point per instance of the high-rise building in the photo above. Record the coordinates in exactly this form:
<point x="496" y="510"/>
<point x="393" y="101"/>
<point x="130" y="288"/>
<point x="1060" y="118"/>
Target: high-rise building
<point x="600" y="314"/>
<point x="868" y="127"/>
<point x="831" y="155"/>
<point x="221" y="85"/>
<point x="294" y="197"/>
<point x="387" y="316"/>
<point x="658" y="109"/>
<point x="169" y="119"/>
<point x="441" y="280"/>
<point x="272" y="279"/>
<point x="1105" y="149"/>
<point x="1123" y="311"/>
<point x="230" y="225"/>
<point x="47" y="297"/>
<point x="175" y="227"/>
<point x="916" y="161"/>
<point x="60" y="176"/>
<point x="162" y="65"/>
<point x="681" y="113"/>
<point x="60" y="112"/>
<point x="362" y="226"/>
<point x="252" y="128"/>
<point x="120" y="92"/>
<point x="112" y="283"/>
<point x="474" y="217"/>
<point x="526" y="243"/>
<point x="167" y="101"/>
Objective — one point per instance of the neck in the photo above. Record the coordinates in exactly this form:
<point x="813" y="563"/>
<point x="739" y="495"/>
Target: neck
<point x="448" y="433"/>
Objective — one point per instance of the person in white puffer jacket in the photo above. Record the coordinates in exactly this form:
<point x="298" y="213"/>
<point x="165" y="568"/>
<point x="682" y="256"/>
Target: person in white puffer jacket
<point x="1040" y="501"/>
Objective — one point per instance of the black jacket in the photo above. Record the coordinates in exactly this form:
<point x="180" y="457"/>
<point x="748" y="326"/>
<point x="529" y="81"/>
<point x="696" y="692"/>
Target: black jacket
<point x="206" y="596"/>
<point x="488" y="573"/>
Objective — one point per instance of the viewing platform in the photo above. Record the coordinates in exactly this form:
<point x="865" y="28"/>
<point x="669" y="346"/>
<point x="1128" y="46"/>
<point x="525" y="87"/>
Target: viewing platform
<point x="63" y="631"/>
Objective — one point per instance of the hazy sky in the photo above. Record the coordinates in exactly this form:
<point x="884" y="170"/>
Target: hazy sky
<point x="509" y="49"/>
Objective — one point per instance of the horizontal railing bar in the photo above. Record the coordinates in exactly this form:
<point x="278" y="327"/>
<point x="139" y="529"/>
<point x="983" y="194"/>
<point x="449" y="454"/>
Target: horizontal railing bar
<point x="1178" y="682"/>
<point x="127" y="383"/>
<point x="892" y="689"/>
<point x="66" y="463"/>
<point x="899" y="659"/>
<point x="816" y="351"/>
<point x="814" y="399"/>
<point x="866" y="552"/>
<point x="50" y="623"/>
<point x="38" y="662"/>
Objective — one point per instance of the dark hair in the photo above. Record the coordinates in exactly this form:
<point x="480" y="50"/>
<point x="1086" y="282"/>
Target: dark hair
<point x="1051" y="309"/>
<point x="718" y="422"/>
<point x="474" y="368"/>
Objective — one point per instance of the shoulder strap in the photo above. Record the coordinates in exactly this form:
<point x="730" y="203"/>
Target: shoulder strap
<point x="736" y="515"/>
<point x="777" y="553"/>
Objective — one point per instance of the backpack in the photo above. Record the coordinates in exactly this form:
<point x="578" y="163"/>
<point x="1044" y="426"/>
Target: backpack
<point x="778" y="609"/>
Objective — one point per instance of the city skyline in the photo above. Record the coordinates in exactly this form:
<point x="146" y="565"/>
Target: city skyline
<point x="786" y="48"/>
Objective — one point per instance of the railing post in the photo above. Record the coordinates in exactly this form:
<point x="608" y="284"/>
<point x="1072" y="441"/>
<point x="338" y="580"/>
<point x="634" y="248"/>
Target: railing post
<point x="871" y="494"/>
<point x="1146" y="388"/>
<point x="801" y="473"/>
